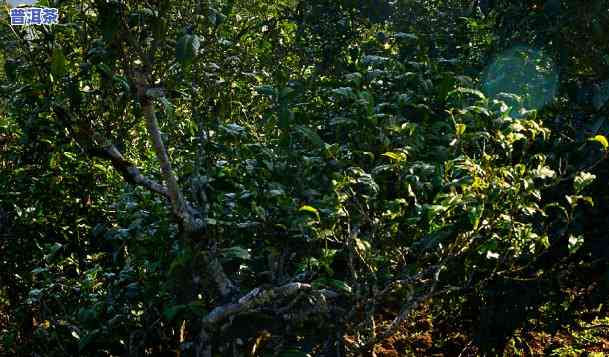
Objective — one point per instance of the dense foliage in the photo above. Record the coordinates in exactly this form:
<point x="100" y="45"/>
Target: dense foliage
<point x="293" y="178"/>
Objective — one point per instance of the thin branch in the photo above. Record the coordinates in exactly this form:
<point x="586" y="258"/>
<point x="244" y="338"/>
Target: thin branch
<point x="412" y="304"/>
<point x="175" y="195"/>
<point x="128" y="170"/>
<point x="193" y="223"/>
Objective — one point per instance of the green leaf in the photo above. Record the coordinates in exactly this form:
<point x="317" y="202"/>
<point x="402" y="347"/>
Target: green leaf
<point x="544" y="241"/>
<point x="575" y="243"/>
<point x="10" y="68"/>
<point x="460" y="129"/>
<point x="404" y="99"/>
<point x="340" y="285"/>
<point x="374" y="60"/>
<point x="58" y="64"/>
<point x="432" y="240"/>
<point x="409" y="127"/>
<point x="105" y="69"/>
<point x="167" y="107"/>
<point x="602" y="140"/>
<point x="367" y="181"/>
<point x="124" y="83"/>
<point x="236" y="252"/>
<point x="266" y="90"/>
<point x="354" y="78"/>
<point x="186" y="48"/>
<point x="582" y="180"/>
<point x="346" y="92"/>
<point x="87" y="339"/>
<point x="171" y="312"/>
<point x="491" y="255"/>
<point x="286" y="92"/>
<point x="362" y="245"/>
<point x="462" y="90"/>
<point x="475" y="214"/>
<point x="70" y="155"/>
<point x="133" y="290"/>
<point x="545" y="172"/>
<point x="332" y="283"/>
<point x="285" y="117"/>
<point x="311" y="135"/>
<point x="309" y="209"/>
<point x="478" y="109"/>
<point x="573" y="200"/>
<point x="197" y="308"/>
<point x="396" y="156"/>
<point x="406" y="36"/>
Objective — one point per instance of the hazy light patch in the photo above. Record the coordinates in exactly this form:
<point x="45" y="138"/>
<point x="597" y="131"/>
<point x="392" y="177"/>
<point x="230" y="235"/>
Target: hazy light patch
<point x="527" y="73"/>
<point x="15" y="3"/>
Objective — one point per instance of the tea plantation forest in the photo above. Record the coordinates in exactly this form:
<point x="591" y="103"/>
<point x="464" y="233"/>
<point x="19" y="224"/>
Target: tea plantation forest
<point x="293" y="178"/>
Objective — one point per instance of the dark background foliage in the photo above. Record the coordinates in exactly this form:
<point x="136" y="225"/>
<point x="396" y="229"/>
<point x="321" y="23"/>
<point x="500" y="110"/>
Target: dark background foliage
<point x="292" y="178"/>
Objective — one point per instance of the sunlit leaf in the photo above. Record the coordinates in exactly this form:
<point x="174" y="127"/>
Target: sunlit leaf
<point x="582" y="180"/>
<point x="601" y="140"/>
<point x="236" y="252"/>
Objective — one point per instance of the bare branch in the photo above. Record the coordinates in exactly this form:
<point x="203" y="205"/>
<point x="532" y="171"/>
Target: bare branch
<point x="181" y="207"/>
<point x="258" y="297"/>
<point x="214" y="268"/>
<point x="175" y="195"/>
<point x="192" y="221"/>
<point x="255" y="299"/>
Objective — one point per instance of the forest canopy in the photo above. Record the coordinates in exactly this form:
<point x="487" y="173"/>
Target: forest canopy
<point x="304" y="178"/>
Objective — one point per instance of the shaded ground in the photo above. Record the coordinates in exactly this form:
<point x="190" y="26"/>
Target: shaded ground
<point x="579" y="328"/>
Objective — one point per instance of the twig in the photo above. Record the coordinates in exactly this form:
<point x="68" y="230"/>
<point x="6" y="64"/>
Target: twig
<point x="465" y="348"/>
<point x="412" y="304"/>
